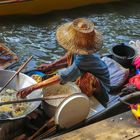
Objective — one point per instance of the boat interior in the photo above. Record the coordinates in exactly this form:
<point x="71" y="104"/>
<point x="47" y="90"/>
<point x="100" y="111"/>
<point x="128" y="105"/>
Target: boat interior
<point x="38" y="125"/>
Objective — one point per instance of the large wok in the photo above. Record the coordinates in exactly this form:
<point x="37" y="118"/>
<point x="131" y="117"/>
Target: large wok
<point x="19" y="82"/>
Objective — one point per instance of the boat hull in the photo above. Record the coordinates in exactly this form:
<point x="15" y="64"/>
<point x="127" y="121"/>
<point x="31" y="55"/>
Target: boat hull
<point x="42" y="6"/>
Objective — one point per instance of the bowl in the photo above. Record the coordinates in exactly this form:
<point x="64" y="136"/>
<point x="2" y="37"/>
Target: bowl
<point x="38" y="76"/>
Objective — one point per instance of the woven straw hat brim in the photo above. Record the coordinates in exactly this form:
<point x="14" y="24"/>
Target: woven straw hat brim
<point x="67" y="42"/>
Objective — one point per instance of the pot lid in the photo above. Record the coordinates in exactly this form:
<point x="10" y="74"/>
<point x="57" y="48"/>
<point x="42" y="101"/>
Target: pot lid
<point x="72" y="110"/>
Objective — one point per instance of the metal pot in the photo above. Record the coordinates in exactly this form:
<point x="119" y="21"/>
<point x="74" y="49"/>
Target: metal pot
<point x="19" y="82"/>
<point x="123" y="54"/>
<point x="50" y="106"/>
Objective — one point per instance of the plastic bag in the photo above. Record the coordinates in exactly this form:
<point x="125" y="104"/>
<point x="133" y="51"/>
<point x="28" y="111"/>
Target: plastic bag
<point x="135" y="80"/>
<point x="136" y="62"/>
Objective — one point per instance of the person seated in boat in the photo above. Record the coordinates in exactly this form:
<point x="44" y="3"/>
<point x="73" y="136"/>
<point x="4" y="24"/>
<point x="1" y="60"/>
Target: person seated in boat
<point x="84" y="66"/>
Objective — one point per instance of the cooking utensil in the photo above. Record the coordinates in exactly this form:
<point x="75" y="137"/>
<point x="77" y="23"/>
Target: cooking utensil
<point x="32" y="100"/>
<point x="72" y="110"/>
<point x="16" y="73"/>
<point x="69" y="113"/>
<point x="50" y="106"/>
<point x="19" y="82"/>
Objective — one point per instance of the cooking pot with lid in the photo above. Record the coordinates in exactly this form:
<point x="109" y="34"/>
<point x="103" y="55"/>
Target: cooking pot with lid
<point x="56" y="94"/>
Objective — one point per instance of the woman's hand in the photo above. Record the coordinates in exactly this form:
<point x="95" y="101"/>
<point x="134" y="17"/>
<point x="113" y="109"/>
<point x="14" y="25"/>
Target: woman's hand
<point x="44" y="67"/>
<point x="48" y="82"/>
<point x="24" y="92"/>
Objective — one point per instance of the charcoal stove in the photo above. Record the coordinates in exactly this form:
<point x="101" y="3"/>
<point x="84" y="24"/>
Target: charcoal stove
<point x="10" y="129"/>
<point x="14" y="129"/>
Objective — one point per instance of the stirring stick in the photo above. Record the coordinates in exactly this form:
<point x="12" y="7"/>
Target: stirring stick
<point x="17" y="72"/>
<point x="31" y="100"/>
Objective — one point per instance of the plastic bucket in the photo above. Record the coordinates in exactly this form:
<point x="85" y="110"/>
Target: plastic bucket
<point x="123" y="54"/>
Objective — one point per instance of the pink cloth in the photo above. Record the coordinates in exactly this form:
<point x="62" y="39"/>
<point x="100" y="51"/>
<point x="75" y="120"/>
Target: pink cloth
<point x="137" y="62"/>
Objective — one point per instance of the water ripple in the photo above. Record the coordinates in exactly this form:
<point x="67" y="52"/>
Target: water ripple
<point x="119" y="22"/>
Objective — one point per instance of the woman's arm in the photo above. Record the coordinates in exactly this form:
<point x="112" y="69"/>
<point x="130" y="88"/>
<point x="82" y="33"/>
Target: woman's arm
<point x="26" y="91"/>
<point x="69" y="74"/>
<point x="61" y="63"/>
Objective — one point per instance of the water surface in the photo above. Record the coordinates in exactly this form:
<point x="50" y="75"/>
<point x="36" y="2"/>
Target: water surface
<point x="35" y="35"/>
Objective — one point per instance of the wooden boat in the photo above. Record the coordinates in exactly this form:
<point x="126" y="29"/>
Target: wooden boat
<point x="12" y="7"/>
<point x="100" y="111"/>
<point x="125" y="126"/>
<point x="7" y="57"/>
<point x="30" y="126"/>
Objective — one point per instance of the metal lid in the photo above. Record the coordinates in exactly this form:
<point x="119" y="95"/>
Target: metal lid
<point x="72" y="110"/>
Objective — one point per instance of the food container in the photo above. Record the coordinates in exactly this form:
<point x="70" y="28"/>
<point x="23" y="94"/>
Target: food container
<point x="60" y="92"/>
<point x="123" y="54"/>
<point x="38" y="76"/>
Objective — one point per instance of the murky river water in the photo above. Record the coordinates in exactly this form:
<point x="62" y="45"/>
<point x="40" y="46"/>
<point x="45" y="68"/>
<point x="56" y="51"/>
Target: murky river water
<point x="119" y="22"/>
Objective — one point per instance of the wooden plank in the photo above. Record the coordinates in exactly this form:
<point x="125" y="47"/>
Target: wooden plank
<point x="95" y="106"/>
<point x="120" y="127"/>
<point x="7" y="57"/>
<point x="135" y="138"/>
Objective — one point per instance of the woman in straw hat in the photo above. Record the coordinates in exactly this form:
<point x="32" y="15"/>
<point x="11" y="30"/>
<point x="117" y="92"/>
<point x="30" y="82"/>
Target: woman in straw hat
<point x="84" y="66"/>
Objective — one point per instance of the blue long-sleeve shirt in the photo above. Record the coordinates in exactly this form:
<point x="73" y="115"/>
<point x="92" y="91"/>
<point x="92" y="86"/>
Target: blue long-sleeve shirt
<point x="87" y="63"/>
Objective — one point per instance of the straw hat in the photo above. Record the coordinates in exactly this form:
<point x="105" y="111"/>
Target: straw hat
<point x="79" y="37"/>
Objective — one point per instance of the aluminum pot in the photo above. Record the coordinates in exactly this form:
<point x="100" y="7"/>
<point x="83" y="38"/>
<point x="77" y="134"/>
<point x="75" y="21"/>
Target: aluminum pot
<point x="19" y="82"/>
<point x="50" y="106"/>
